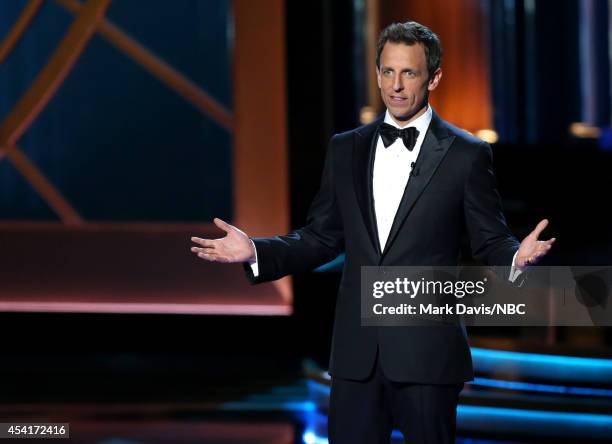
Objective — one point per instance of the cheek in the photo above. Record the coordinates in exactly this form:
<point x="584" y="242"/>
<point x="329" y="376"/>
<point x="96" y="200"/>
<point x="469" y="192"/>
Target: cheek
<point x="387" y="83"/>
<point x="417" y="92"/>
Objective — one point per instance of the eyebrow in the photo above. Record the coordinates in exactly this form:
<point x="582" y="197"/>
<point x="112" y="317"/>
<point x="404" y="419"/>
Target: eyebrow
<point x="387" y="68"/>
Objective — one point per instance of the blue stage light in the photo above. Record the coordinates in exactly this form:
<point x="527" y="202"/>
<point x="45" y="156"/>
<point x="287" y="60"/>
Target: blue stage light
<point x="546" y="388"/>
<point x="546" y="367"/>
<point x="310" y="437"/>
<point x="483" y="412"/>
<point x="332" y="266"/>
<point x="530" y="422"/>
<point x="262" y="405"/>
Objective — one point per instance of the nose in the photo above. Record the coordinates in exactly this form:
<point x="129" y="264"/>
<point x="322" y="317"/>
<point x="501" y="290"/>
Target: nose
<point x="397" y="83"/>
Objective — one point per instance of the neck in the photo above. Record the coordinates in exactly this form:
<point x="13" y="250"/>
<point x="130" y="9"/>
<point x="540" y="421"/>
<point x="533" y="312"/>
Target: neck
<point x="405" y="122"/>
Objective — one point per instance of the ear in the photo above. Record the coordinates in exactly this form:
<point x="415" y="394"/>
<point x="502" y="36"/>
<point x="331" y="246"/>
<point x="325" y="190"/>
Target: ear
<point x="378" y="79"/>
<point x="435" y="79"/>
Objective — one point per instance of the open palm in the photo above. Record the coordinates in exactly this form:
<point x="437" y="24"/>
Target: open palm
<point x="533" y="250"/>
<point x="234" y="247"/>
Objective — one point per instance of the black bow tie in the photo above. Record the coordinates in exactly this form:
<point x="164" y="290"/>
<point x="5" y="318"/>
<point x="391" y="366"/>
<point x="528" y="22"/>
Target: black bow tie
<point x="389" y="134"/>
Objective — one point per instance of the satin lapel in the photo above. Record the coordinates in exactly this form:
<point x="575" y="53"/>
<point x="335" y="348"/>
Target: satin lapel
<point x="435" y="146"/>
<point x="364" y="150"/>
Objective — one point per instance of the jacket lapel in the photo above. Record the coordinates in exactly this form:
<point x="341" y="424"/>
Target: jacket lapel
<point x="364" y="149"/>
<point x="435" y="146"/>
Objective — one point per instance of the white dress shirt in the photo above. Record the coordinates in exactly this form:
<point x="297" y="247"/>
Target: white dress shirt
<point x="392" y="166"/>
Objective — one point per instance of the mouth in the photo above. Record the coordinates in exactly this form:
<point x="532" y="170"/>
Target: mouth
<point x="397" y="99"/>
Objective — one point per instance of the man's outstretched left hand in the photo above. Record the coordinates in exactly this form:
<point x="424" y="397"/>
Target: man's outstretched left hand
<point x="533" y="250"/>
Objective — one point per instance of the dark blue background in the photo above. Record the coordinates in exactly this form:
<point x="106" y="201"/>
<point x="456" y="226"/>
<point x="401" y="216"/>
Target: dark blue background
<point x="118" y="143"/>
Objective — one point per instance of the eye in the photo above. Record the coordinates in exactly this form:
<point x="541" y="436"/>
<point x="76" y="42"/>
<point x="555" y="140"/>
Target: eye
<point x="409" y="74"/>
<point x="386" y="72"/>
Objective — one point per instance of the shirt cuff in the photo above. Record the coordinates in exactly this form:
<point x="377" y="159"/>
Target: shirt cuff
<point x="514" y="270"/>
<point x="253" y="262"/>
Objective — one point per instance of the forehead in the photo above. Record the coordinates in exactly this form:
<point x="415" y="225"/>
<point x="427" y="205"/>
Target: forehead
<point x="402" y="55"/>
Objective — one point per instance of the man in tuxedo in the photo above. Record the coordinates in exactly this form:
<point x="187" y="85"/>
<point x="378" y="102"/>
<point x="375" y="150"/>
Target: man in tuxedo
<point x="399" y="191"/>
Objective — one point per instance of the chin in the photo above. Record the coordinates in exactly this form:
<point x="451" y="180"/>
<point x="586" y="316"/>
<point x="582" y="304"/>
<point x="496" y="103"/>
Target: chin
<point x="398" y="112"/>
<point x="401" y="116"/>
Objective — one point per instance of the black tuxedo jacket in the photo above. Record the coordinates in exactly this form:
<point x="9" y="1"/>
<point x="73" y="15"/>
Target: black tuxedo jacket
<point x="454" y="191"/>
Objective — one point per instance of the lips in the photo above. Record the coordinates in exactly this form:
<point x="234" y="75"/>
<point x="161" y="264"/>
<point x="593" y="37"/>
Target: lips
<point x="397" y="99"/>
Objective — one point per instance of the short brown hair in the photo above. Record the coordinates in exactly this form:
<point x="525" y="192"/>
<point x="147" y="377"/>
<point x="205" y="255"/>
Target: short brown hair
<point x="411" y="33"/>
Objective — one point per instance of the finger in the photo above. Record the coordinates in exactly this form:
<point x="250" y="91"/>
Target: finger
<point x="539" y="228"/>
<point x="223" y="225"/>
<point x="211" y="257"/>
<point x="540" y="249"/>
<point x="203" y="242"/>
<point x="209" y="250"/>
<point x="534" y="258"/>
<point x="546" y="245"/>
<point x="543" y="246"/>
<point x="540" y="254"/>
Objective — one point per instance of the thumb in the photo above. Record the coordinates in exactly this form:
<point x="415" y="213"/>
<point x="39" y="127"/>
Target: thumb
<point x="223" y="225"/>
<point x="539" y="228"/>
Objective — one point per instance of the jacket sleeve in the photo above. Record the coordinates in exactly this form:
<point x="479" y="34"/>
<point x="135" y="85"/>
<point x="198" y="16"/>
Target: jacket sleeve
<point x="491" y="241"/>
<point x="318" y="242"/>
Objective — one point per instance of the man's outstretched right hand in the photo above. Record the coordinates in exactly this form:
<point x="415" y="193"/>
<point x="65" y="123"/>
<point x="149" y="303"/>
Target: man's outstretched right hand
<point x="234" y="247"/>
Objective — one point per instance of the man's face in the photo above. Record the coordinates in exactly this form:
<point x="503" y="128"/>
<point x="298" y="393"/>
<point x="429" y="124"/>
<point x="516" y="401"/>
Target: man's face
<point x="404" y="81"/>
